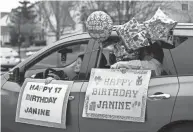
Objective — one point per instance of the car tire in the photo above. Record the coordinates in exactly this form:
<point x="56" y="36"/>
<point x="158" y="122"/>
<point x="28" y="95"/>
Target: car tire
<point x="182" y="127"/>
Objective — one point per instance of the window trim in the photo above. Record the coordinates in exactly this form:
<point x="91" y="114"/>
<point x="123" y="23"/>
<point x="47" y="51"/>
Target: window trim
<point x="184" y="8"/>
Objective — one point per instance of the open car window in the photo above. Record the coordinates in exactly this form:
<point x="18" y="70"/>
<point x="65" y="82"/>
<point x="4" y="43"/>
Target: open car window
<point x="62" y="61"/>
<point x="61" y="57"/>
<point x="167" y="65"/>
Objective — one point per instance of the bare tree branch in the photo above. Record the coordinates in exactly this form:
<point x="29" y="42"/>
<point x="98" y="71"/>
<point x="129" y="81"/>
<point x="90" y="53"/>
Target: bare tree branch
<point x="47" y="15"/>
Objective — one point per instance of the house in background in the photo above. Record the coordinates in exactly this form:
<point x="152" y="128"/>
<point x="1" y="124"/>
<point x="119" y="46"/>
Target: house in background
<point x="182" y="11"/>
<point x="5" y="36"/>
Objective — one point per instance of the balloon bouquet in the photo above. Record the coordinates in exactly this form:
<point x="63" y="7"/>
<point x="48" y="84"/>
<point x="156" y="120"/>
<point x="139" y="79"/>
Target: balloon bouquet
<point x="133" y="34"/>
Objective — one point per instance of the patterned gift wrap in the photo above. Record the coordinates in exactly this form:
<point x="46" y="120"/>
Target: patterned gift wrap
<point x="133" y="34"/>
<point x="159" y="26"/>
<point x="120" y="52"/>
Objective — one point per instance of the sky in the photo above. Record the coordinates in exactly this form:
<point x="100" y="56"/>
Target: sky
<point x="7" y="5"/>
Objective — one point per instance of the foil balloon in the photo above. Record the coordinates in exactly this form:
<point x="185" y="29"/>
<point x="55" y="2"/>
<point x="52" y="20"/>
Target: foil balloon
<point x="160" y="26"/>
<point x="133" y="34"/>
<point x="99" y="25"/>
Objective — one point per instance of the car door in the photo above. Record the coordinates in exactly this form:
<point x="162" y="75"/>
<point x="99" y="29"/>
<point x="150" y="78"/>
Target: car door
<point x="183" y="59"/>
<point x="161" y="99"/>
<point x="10" y="91"/>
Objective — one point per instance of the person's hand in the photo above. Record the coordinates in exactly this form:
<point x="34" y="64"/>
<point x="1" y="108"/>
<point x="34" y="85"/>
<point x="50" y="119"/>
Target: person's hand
<point x="48" y="80"/>
<point x="123" y="70"/>
<point x="121" y="65"/>
<point x="115" y="66"/>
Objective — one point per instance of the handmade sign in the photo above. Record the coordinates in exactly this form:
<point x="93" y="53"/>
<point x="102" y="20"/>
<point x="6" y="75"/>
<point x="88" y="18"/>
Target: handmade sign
<point x="133" y="34"/>
<point x="41" y="104"/>
<point x="99" y="25"/>
<point x="160" y="26"/>
<point x="115" y="95"/>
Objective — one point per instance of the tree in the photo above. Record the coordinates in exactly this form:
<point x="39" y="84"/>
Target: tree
<point x="13" y="36"/>
<point x="83" y="17"/>
<point x="123" y="11"/>
<point x="56" y="15"/>
<point x="22" y="23"/>
<point x="23" y="14"/>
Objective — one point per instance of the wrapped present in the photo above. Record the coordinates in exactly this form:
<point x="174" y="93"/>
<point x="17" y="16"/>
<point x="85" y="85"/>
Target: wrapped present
<point x="99" y="25"/>
<point x="133" y="34"/>
<point x="119" y="51"/>
<point x="160" y="26"/>
<point x="122" y="54"/>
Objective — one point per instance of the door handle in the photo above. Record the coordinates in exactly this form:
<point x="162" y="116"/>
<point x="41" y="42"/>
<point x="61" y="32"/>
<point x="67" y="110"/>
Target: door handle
<point x="71" y="98"/>
<point x="159" y="96"/>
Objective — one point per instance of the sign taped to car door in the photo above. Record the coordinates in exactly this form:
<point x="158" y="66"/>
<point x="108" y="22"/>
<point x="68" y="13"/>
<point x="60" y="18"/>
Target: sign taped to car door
<point x="43" y="104"/>
<point x="117" y="94"/>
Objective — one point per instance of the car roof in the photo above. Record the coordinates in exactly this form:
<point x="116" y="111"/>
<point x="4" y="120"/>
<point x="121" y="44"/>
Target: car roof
<point x="83" y="35"/>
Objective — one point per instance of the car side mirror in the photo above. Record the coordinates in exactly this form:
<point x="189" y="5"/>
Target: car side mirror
<point x="14" y="75"/>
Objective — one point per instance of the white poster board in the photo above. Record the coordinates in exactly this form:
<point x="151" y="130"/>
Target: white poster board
<point x="117" y="95"/>
<point x="43" y="104"/>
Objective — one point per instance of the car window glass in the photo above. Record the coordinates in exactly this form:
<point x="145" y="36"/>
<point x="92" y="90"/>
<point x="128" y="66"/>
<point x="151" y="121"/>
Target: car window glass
<point x="182" y="54"/>
<point x="49" y="61"/>
<point x="167" y="65"/>
<point x="71" y="56"/>
<point x="108" y="55"/>
<point x="65" y="60"/>
<point x="61" y="57"/>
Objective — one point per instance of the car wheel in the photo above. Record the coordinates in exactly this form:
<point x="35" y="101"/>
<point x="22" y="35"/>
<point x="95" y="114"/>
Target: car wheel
<point x="183" y="127"/>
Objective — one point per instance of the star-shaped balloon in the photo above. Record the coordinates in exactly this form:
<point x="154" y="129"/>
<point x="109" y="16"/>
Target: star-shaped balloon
<point x="133" y="34"/>
<point x="160" y="26"/>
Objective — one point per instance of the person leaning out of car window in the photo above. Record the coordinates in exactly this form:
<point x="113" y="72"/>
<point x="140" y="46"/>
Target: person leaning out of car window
<point x="150" y="58"/>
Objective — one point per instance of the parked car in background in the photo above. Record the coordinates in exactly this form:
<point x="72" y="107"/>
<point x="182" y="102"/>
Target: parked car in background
<point x="29" y="53"/>
<point x="170" y="96"/>
<point x="9" y="58"/>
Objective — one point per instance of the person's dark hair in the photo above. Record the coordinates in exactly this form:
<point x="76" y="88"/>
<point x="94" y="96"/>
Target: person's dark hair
<point x="155" y="49"/>
<point x="103" y="61"/>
